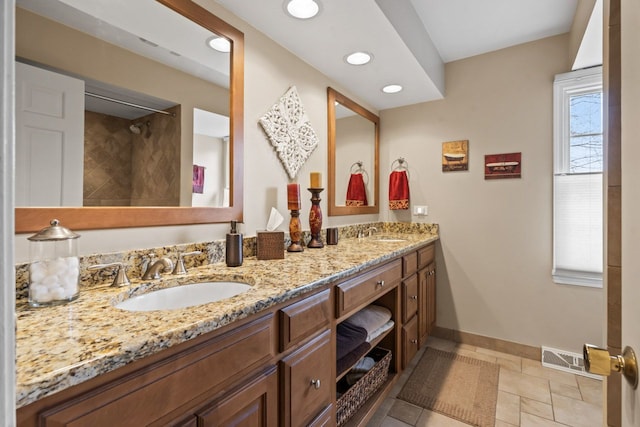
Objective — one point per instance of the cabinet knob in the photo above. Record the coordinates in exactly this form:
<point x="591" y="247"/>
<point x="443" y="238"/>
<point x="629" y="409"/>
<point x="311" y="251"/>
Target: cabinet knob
<point x="380" y="283"/>
<point x="315" y="384"/>
<point x="414" y="297"/>
<point x="414" y="341"/>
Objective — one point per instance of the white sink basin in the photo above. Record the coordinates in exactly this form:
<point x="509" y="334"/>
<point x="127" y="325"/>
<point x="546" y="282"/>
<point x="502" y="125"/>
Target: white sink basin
<point x="183" y="296"/>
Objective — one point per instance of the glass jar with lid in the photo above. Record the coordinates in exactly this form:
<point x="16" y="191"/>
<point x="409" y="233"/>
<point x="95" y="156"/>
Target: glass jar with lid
<point x="54" y="271"/>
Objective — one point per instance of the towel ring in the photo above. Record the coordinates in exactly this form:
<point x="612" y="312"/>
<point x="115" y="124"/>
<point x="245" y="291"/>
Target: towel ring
<point x="359" y="169"/>
<point x="401" y="165"/>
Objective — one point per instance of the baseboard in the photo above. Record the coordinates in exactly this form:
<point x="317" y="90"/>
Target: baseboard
<point x="516" y="349"/>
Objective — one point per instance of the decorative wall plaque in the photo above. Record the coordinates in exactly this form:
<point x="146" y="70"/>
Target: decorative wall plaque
<point x="290" y="132"/>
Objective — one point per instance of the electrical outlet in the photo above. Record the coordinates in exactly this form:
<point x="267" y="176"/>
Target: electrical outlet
<point x="421" y="210"/>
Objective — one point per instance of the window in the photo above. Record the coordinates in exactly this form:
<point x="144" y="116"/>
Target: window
<point x="577" y="180"/>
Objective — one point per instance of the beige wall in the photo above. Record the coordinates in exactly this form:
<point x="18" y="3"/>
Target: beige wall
<point x="494" y="270"/>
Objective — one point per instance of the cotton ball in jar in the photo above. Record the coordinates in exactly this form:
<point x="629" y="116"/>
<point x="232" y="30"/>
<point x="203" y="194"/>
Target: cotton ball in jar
<point x="73" y="262"/>
<point x="42" y="295"/>
<point x="50" y="281"/>
<point x="35" y="291"/>
<point x="58" y="266"/>
<point x="37" y="272"/>
<point x="58" y="292"/>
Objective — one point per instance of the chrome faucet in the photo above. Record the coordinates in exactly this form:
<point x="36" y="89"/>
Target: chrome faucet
<point x="120" y="278"/>
<point x="163" y="265"/>
<point x="180" y="268"/>
<point x="371" y="230"/>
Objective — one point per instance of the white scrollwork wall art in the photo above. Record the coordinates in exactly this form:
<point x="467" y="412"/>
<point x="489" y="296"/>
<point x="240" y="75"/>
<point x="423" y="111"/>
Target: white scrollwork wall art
<point x="290" y="132"/>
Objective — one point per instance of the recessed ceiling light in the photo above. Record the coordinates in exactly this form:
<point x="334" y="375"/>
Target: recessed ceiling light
<point x="219" y="43"/>
<point x="303" y="9"/>
<point x="392" y="89"/>
<point x="358" y="58"/>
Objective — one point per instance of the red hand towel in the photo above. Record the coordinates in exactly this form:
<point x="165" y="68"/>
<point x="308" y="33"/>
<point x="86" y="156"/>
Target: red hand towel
<point x="356" y="191"/>
<point x="398" y="190"/>
<point x="198" y="179"/>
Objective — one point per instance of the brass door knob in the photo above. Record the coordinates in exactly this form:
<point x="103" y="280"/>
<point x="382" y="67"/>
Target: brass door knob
<point x="599" y="361"/>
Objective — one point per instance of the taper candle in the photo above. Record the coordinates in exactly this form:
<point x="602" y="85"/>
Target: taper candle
<point x="293" y="196"/>
<point x="316" y="180"/>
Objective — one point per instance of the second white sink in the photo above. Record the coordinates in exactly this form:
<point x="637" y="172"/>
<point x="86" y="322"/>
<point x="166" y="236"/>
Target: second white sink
<point x="183" y="296"/>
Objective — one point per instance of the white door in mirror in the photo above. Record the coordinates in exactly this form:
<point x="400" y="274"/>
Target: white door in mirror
<point x="183" y="296"/>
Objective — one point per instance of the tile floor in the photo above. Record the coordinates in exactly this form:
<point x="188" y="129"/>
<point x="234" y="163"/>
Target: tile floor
<point x="529" y="395"/>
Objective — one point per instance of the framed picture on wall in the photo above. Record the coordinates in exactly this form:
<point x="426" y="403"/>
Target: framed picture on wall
<point x="500" y="166"/>
<point x="455" y="156"/>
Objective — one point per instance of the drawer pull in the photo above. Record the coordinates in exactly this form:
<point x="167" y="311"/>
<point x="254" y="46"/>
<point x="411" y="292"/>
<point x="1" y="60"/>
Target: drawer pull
<point x="380" y="283"/>
<point x="414" y="341"/>
<point x="414" y="297"/>
<point x="315" y="384"/>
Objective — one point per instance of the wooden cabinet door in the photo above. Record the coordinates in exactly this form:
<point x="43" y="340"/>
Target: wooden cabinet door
<point x="308" y="381"/>
<point x="431" y="298"/>
<point x="327" y="418"/>
<point x="409" y="341"/>
<point x="252" y="405"/>
<point x="423" y="318"/>
<point x="427" y="302"/>
<point x="409" y="298"/>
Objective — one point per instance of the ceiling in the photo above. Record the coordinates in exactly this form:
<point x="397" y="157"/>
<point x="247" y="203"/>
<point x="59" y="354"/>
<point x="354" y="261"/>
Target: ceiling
<point x="410" y="40"/>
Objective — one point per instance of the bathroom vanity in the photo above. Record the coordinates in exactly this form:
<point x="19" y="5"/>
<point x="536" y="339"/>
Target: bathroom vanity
<point x="266" y="357"/>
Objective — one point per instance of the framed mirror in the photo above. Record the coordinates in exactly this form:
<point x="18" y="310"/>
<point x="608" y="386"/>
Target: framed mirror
<point x="353" y="157"/>
<point x="182" y="119"/>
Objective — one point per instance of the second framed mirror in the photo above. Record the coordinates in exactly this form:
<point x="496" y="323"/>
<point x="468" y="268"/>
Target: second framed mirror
<point x="354" y="134"/>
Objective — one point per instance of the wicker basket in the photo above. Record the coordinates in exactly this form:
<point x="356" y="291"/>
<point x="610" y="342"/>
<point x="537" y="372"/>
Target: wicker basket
<point x="357" y="395"/>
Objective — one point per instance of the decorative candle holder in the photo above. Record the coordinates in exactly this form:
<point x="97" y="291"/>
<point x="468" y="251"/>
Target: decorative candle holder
<point x="315" y="219"/>
<point x="295" y="231"/>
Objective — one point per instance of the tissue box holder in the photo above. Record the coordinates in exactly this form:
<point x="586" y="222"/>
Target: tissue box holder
<point x="270" y="244"/>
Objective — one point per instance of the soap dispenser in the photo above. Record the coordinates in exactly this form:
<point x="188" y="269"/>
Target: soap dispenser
<point x="234" y="246"/>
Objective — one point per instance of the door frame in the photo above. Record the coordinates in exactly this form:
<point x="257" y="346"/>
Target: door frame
<point x="7" y="220"/>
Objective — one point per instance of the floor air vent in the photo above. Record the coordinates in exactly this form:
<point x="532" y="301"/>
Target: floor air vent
<point x="565" y="361"/>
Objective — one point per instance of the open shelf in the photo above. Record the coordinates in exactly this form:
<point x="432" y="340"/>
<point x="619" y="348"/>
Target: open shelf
<point x="373" y="343"/>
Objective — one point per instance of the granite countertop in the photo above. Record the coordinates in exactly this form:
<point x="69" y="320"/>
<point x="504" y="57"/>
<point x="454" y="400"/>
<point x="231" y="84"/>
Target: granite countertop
<point x="58" y="347"/>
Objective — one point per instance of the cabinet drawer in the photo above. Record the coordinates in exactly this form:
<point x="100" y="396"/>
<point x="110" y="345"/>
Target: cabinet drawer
<point x="304" y="318"/>
<point x="409" y="341"/>
<point x="409" y="264"/>
<point x="426" y="255"/>
<point x="154" y="391"/>
<point x="255" y="404"/>
<point x="361" y="290"/>
<point x="307" y="380"/>
<point x="409" y="298"/>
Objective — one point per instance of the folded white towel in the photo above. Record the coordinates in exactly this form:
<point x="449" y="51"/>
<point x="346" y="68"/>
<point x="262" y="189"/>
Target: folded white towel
<point x="370" y="318"/>
<point x="381" y="330"/>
